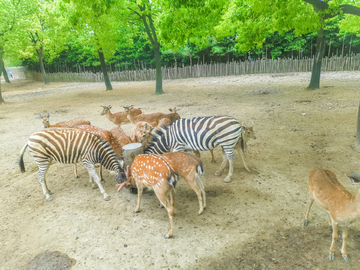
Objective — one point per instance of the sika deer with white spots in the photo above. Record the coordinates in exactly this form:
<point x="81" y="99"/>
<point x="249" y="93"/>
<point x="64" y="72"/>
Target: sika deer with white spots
<point x="342" y="207"/>
<point x="153" y="171"/>
<point x="191" y="169"/>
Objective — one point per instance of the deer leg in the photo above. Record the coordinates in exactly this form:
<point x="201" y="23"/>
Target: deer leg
<point x="162" y="196"/>
<point x="212" y="156"/>
<point x="311" y="200"/>
<point x="191" y="183"/>
<point x="140" y="190"/>
<point x="92" y="172"/>
<point x="334" y="236"/>
<point x="199" y="183"/>
<point x="241" y="154"/>
<point x="223" y="164"/>
<point x="343" y="248"/>
<point x="75" y="170"/>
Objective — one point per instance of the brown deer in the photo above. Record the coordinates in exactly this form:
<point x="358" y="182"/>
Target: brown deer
<point x="66" y="124"/>
<point x="120" y="137"/>
<point x="151" y="170"/>
<point x="139" y="130"/>
<point x="152" y="119"/>
<point x="119" y="117"/>
<point x="191" y="169"/>
<point x="342" y="207"/>
<point x="167" y="119"/>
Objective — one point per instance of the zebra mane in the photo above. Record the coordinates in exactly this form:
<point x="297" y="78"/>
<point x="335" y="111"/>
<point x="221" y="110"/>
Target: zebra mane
<point x="158" y="134"/>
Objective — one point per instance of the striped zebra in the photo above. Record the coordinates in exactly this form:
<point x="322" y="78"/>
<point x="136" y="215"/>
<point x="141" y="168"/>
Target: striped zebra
<point x="200" y="134"/>
<point x="67" y="145"/>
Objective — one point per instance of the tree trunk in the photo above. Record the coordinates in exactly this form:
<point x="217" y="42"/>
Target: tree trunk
<point x="158" y="90"/>
<point x="41" y="62"/>
<point x="6" y="77"/>
<point x="319" y="55"/>
<point x="104" y="71"/>
<point x="357" y="139"/>
<point x="2" y="101"/>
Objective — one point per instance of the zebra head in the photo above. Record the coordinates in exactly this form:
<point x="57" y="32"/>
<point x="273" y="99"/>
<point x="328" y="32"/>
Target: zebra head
<point x="120" y="176"/>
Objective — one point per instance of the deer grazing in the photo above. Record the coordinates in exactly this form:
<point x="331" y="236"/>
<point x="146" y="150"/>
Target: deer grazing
<point x="139" y="130"/>
<point x="342" y="207"/>
<point x="152" y="119"/>
<point x="66" y="124"/>
<point x="120" y="137"/>
<point x="151" y="170"/>
<point x="119" y="117"/>
<point x="167" y="119"/>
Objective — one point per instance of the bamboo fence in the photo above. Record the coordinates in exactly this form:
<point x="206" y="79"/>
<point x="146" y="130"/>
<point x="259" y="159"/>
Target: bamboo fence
<point x="335" y="63"/>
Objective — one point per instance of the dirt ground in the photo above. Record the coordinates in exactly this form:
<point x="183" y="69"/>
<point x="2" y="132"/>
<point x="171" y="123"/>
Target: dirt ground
<point x="254" y="222"/>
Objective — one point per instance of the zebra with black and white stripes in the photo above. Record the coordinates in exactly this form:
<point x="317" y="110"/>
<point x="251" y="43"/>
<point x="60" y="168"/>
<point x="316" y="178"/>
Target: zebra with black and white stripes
<point x="200" y="134"/>
<point x="67" y="145"/>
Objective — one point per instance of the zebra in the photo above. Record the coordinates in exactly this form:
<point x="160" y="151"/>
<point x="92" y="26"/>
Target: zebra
<point x="67" y="145"/>
<point x="199" y="134"/>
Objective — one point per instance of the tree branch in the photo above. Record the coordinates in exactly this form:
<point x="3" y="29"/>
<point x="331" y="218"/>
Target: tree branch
<point x="349" y="9"/>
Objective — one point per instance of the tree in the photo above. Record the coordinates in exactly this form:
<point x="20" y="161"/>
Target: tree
<point x="143" y="12"/>
<point x="98" y="22"/>
<point x="46" y="36"/>
<point x="253" y="20"/>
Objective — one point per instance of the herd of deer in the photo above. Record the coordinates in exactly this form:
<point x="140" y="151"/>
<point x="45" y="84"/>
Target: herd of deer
<point x="342" y="207"/>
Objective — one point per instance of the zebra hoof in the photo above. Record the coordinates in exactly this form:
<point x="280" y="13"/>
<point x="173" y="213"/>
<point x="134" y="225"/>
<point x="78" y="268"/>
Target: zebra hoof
<point x="217" y="173"/>
<point x="49" y="198"/>
<point x="107" y="198"/>
<point x="227" y="180"/>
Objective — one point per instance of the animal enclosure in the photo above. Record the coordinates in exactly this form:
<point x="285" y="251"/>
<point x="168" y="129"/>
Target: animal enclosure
<point x="253" y="222"/>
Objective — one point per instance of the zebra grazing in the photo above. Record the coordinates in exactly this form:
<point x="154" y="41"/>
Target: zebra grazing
<point x="67" y="145"/>
<point x="201" y="134"/>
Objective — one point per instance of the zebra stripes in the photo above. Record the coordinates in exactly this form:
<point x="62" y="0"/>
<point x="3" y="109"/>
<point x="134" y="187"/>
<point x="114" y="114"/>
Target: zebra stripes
<point x="201" y="134"/>
<point x="67" y="145"/>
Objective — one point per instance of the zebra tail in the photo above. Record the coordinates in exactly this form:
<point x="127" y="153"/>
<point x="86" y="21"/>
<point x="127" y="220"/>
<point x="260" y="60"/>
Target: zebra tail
<point x="200" y="169"/>
<point x="21" y="160"/>
<point x="243" y="144"/>
<point x="172" y="179"/>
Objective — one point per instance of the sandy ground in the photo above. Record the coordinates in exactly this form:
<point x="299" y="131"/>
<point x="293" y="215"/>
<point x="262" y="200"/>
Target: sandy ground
<point x="254" y="222"/>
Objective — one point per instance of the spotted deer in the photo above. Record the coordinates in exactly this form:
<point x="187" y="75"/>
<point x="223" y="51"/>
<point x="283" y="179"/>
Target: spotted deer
<point x="119" y="117"/>
<point x="191" y="169"/>
<point x="152" y="119"/>
<point x="65" y="124"/>
<point x="153" y="171"/>
<point x="342" y="207"/>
